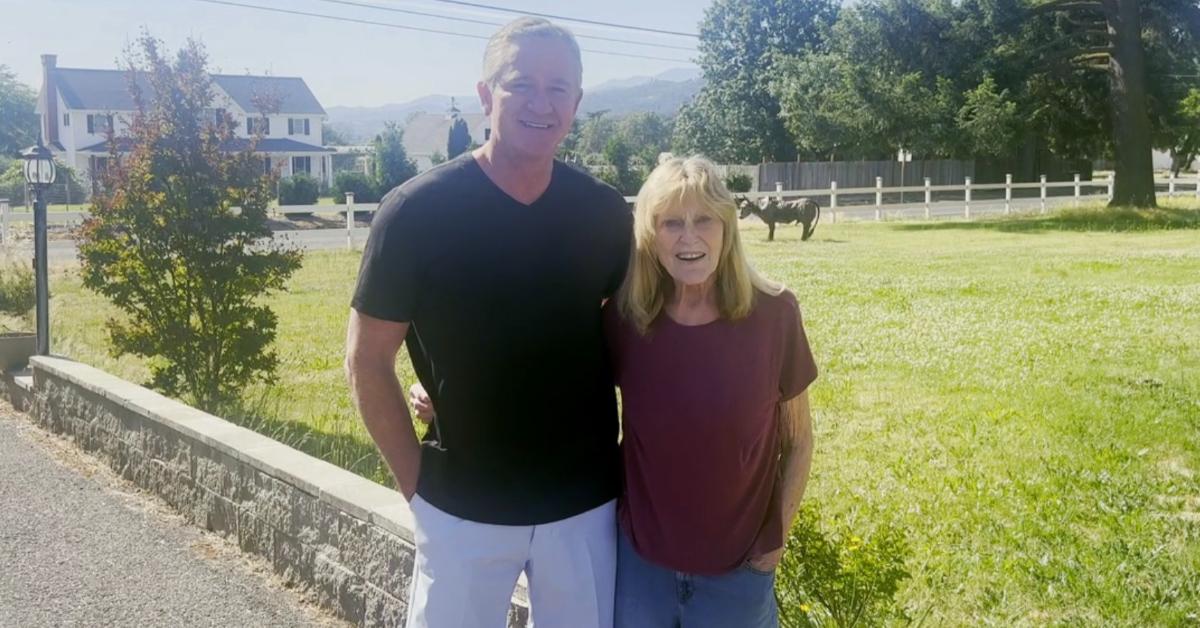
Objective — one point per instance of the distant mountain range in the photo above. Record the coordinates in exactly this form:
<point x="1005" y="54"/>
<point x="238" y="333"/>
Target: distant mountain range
<point x="663" y="93"/>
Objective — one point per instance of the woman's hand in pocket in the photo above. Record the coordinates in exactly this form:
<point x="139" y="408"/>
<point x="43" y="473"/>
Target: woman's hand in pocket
<point x="421" y="403"/>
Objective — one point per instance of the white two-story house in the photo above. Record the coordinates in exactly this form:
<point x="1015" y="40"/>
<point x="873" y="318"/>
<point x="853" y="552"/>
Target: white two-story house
<point x="79" y="106"/>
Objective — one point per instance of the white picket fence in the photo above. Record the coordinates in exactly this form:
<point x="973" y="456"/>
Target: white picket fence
<point x="968" y="200"/>
<point x="972" y="199"/>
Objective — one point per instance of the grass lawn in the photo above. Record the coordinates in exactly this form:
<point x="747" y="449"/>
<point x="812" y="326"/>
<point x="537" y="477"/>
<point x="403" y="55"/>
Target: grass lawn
<point x="1022" y="397"/>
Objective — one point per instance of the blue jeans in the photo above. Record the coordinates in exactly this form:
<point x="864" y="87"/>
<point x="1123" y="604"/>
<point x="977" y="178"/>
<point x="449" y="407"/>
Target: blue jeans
<point x="649" y="596"/>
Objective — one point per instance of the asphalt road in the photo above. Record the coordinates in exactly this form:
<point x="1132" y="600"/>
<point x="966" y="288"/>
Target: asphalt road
<point x="80" y="547"/>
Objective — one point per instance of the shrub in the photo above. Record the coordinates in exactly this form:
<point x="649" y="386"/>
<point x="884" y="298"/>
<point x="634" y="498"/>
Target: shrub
<point x="178" y="240"/>
<point x="299" y="189"/>
<point x="17" y="295"/>
<point x="361" y="185"/>
<point x="738" y="182"/>
<point x="392" y="165"/>
<point x="12" y="182"/>
<point x="837" y="578"/>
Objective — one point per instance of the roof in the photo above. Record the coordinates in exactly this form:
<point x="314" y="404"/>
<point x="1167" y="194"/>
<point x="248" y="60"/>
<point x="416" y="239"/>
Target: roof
<point x="265" y="145"/>
<point x="426" y="133"/>
<point x="104" y="90"/>
<point x="108" y="90"/>
<point x="293" y="93"/>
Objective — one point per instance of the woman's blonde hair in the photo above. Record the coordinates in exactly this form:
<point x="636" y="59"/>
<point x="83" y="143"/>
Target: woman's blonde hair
<point x="679" y="181"/>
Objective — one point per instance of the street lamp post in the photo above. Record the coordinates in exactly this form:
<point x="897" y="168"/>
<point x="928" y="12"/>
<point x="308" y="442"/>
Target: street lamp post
<point x="39" y="174"/>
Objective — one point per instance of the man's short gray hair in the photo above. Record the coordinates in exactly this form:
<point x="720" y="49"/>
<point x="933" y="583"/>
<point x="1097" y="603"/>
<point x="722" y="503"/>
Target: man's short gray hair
<point x="501" y="48"/>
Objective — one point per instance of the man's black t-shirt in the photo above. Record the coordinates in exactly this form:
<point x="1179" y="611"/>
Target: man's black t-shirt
<point x="504" y="305"/>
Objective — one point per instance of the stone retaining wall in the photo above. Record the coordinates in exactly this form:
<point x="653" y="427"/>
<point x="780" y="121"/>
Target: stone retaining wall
<point x="345" y="538"/>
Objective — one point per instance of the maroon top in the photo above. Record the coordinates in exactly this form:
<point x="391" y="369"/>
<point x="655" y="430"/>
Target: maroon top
<point x="701" y="444"/>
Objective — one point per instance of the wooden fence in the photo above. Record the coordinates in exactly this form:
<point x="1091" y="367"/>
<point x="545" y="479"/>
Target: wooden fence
<point x="858" y="174"/>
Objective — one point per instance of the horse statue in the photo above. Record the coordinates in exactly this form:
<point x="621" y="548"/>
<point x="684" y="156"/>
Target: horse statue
<point x="803" y="211"/>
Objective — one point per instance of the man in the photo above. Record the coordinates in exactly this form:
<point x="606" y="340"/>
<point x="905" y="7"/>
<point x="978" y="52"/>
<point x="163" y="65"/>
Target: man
<point x="492" y="267"/>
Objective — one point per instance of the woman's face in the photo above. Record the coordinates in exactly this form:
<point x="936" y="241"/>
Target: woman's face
<point x="688" y="241"/>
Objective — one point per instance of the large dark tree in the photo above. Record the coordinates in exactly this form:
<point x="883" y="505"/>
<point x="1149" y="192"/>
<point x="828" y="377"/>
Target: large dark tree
<point x="1111" y="35"/>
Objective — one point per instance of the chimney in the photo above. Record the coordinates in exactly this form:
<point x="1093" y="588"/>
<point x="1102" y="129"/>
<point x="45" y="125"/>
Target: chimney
<point x="50" y="89"/>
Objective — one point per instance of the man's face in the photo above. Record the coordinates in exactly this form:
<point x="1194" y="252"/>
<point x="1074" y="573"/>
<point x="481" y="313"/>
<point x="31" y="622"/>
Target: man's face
<point x="535" y="97"/>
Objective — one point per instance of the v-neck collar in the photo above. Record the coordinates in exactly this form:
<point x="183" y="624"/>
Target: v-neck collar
<point x="499" y="190"/>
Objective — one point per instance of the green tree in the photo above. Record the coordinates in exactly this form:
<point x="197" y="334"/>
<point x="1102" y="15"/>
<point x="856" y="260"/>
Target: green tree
<point x="621" y="173"/>
<point x="568" y="149"/>
<point x="988" y="120"/>
<point x="648" y="134"/>
<point x="1111" y="36"/>
<point x="595" y="131"/>
<point x="735" y="117"/>
<point x="1185" y="131"/>
<point x="891" y="77"/>
<point x="178" y="239"/>
<point x="18" y="119"/>
<point x="820" y="108"/>
<point x="392" y="165"/>
<point x="459" y="138"/>
<point x="331" y="136"/>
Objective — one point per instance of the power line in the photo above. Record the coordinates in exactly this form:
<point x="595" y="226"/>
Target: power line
<point x="491" y="23"/>
<point x="565" y="18"/>
<point x="406" y="27"/>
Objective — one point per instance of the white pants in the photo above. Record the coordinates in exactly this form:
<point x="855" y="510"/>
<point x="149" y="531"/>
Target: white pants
<point x="465" y="571"/>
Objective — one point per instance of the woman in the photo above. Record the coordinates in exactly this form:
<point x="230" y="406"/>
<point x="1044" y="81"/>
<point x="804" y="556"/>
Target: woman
<point x="713" y="366"/>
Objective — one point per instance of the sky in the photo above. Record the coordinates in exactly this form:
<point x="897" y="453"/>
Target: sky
<point x="347" y="64"/>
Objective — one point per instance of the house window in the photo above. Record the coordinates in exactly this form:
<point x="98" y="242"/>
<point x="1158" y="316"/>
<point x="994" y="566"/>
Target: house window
<point x="212" y="115"/>
<point x="266" y="165"/>
<point x="298" y="126"/>
<point x="254" y="124"/>
<point x="98" y="123"/>
<point x="301" y="164"/>
<point x="66" y="119"/>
